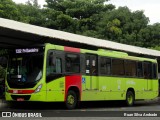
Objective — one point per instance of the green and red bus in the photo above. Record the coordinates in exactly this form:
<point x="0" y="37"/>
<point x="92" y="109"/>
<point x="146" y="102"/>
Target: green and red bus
<point x="53" y="73"/>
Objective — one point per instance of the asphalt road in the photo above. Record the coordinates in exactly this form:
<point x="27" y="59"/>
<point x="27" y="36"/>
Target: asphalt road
<point x="92" y="110"/>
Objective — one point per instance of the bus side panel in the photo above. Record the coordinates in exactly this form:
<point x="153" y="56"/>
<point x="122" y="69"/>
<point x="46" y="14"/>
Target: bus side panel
<point x="73" y="81"/>
<point x="138" y="85"/>
<point x="115" y="88"/>
<point x="39" y="96"/>
<point x="143" y="88"/>
<point x="55" y="90"/>
<point x="109" y="88"/>
<point x="155" y="85"/>
<point x="90" y="86"/>
<point x="151" y="93"/>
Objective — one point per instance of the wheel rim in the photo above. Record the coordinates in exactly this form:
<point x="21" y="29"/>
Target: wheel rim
<point x="70" y="99"/>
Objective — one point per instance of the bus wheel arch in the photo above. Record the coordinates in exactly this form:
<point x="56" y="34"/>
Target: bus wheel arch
<point x="130" y="97"/>
<point x="72" y="97"/>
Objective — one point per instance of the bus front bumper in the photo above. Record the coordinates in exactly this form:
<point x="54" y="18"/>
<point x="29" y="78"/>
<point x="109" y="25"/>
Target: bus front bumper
<point x="41" y="96"/>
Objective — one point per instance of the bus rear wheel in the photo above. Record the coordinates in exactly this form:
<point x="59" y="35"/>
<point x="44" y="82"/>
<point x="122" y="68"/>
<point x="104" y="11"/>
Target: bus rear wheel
<point x="71" y="100"/>
<point x="130" y="98"/>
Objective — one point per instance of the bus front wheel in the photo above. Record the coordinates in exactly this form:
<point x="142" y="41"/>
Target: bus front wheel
<point x="130" y="98"/>
<point x="71" y="100"/>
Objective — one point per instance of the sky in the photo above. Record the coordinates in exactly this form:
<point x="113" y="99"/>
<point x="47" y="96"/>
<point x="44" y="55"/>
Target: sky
<point x="151" y="8"/>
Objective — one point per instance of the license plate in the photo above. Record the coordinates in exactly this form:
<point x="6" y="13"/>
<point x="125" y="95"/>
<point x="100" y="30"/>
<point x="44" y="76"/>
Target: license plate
<point x="20" y="99"/>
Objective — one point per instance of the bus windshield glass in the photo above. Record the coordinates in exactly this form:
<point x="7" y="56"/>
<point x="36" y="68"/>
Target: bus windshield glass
<point x="25" y="70"/>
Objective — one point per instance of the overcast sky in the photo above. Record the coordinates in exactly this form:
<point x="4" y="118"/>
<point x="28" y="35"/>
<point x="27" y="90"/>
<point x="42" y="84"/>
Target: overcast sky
<point x="151" y="8"/>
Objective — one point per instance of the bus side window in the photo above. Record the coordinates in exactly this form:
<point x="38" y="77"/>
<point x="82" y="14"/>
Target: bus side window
<point x="117" y="67"/>
<point x="50" y="64"/>
<point x="58" y="65"/>
<point x="51" y="59"/>
<point x="82" y="64"/>
<point x="87" y="65"/>
<point x="154" y="73"/>
<point x="140" y="69"/>
<point x="130" y="68"/>
<point x="72" y="63"/>
<point x="93" y="69"/>
<point x="105" y="66"/>
<point x="54" y="64"/>
<point x="147" y="70"/>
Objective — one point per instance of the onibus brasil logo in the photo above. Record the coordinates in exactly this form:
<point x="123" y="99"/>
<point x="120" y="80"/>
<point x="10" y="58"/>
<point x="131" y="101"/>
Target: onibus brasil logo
<point x="24" y="114"/>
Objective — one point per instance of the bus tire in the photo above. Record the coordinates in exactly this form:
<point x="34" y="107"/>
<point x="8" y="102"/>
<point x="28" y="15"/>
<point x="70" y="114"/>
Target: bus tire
<point x="130" y="98"/>
<point x="71" y="100"/>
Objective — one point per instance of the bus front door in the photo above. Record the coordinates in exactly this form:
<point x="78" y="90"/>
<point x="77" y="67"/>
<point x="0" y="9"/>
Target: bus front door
<point x="92" y="72"/>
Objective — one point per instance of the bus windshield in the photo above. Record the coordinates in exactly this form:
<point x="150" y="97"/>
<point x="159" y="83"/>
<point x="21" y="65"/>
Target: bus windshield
<point x="25" y="70"/>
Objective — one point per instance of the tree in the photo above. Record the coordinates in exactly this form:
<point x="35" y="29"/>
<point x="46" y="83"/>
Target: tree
<point x="122" y="25"/>
<point x="8" y="9"/>
<point x="33" y="3"/>
<point x="151" y="36"/>
<point x="31" y="13"/>
<point x="94" y="18"/>
<point x="2" y="72"/>
<point x="80" y="14"/>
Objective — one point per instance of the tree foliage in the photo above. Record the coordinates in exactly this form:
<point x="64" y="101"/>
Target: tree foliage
<point x="95" y="18"/>
<point x="8" y="9"/>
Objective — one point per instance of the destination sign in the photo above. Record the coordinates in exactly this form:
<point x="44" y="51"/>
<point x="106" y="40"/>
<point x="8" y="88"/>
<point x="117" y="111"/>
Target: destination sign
<point x="27" y="50"/>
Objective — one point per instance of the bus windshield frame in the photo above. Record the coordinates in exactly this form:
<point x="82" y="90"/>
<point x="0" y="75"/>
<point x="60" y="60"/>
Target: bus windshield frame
<point x="25" y="67"/>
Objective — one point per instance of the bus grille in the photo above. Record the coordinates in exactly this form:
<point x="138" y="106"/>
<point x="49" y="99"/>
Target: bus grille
<point x="25" y="97"/>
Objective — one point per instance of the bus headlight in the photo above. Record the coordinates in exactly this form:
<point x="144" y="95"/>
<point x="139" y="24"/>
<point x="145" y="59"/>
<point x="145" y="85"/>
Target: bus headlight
<point x="38" y="89"/>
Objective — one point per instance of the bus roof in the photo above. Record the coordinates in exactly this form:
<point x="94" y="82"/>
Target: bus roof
<point x="115" y="54"/>
<point x="107" y="53"/>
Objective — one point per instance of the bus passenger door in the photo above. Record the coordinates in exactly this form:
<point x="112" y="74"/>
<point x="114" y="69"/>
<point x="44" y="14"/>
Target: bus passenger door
<point x="148" y="75"/>
<point x="92" y="72"/>
<point x="54" y="76"/>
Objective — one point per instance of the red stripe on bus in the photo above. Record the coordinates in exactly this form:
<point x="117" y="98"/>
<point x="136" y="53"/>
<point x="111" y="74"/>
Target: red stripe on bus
<point x="71" y="49"/>
<point x="73" y="81"/>
<point x="21" y="91"/>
